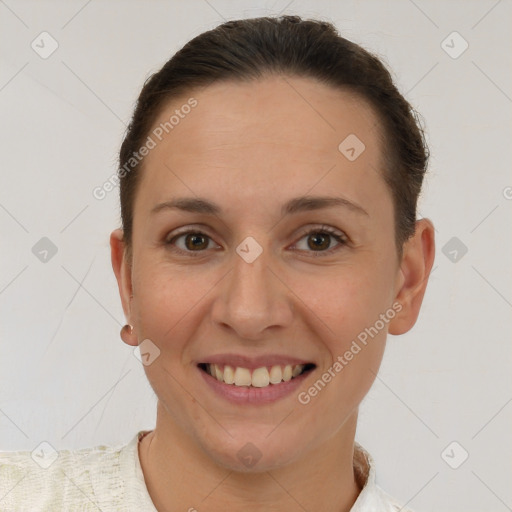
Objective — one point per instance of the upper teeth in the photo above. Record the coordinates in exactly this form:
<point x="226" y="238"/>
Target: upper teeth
<point x="260" y="377"/>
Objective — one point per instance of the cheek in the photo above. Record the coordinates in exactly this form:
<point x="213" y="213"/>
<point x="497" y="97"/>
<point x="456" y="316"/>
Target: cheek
<point x="353" y="332"/>
<point x="346" y="301"/>
<point x="163" y="299"/>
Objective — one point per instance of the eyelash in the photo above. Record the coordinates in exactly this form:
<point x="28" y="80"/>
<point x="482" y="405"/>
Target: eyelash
<point x="340" y="238"/>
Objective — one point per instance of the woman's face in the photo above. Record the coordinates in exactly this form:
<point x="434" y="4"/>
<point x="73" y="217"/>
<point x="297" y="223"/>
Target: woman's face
<point x="252" y="288"/>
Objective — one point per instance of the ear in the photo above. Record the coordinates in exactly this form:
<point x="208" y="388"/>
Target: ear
<point x="417" y="260"/>
<point x="123" y="271"/>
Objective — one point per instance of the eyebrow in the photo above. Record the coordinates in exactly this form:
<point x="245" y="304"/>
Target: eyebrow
<point x="295" y="205"/>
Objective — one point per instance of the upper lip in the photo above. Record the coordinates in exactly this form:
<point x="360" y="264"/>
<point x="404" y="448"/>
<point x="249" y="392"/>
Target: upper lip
<point x="251" y="363"/>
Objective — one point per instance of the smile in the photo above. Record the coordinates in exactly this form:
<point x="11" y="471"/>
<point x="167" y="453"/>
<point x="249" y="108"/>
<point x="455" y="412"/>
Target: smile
<point x="258" y="377"/>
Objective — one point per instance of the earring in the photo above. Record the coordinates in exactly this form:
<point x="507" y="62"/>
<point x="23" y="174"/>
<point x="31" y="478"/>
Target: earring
<point x="126" y="331"/>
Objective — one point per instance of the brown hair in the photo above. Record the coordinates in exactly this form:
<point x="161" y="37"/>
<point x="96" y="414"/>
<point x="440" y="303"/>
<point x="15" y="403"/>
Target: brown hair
<point x="249" y="49"/>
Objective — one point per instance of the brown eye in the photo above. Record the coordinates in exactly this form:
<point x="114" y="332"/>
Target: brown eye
<point x="194" y="244"/>
<point x="195" y="241"/>
<point x="319" y="241"/>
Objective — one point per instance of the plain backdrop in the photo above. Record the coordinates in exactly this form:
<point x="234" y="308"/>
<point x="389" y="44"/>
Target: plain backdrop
<point x="443" y="392"/>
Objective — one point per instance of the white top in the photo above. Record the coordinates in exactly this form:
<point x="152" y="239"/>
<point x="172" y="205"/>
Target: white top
<point x="110" y="478"/>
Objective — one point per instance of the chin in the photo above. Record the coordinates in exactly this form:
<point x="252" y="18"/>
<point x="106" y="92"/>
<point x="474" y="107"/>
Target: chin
<point x="248" y="452"/>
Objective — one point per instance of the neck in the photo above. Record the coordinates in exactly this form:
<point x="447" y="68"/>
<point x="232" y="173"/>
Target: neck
<point x="181" y="477"/>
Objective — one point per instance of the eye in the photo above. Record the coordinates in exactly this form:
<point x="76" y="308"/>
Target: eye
<point x="195" y="242"/>
<point x="322" y="241"/>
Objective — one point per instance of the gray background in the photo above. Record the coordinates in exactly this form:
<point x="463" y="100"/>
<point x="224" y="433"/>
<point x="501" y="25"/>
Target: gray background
<point x="65" y="375"/>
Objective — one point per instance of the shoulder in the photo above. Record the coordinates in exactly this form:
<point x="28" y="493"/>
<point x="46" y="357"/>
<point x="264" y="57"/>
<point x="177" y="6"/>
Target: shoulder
<point x="46" y="479"/>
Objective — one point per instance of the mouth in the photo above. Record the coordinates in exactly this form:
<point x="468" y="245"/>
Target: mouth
<point x="261" y="377"/>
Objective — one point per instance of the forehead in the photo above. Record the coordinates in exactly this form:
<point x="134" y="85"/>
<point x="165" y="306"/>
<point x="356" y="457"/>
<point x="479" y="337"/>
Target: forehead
<point x="264" y="137"/>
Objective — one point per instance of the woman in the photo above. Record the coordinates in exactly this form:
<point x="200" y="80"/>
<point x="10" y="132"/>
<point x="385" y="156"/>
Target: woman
<point x="269" y="243"/>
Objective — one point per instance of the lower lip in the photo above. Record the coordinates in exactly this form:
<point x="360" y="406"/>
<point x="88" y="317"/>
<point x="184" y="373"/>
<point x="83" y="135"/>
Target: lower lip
<point x="251" y="395"/>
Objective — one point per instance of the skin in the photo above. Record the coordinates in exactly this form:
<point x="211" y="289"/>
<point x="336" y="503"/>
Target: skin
<point x="250" y="147"/>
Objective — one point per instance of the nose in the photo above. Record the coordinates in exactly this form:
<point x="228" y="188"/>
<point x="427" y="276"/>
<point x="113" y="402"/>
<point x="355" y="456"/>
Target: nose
<point x="253" y="299"/>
